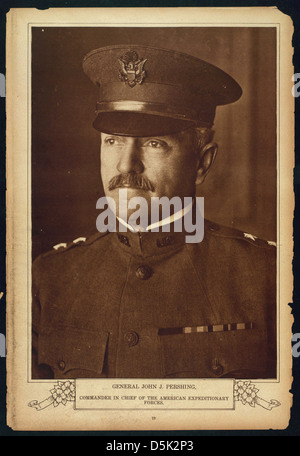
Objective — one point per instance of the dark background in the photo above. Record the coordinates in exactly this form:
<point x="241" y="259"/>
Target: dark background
<point x="240" y="190"/>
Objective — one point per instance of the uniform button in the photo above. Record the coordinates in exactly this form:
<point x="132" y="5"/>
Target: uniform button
<point x="61" y="365"/>
<point x="131" y="338"/>
<point x="217" y="367"/>
<point x="143" y="272"/>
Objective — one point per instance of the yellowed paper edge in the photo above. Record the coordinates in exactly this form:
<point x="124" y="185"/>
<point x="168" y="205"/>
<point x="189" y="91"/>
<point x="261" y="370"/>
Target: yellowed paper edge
<point x="20" y="392"/>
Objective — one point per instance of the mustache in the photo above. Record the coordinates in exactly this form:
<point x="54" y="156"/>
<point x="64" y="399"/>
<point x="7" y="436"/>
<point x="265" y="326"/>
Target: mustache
<point x="132" y="180"/>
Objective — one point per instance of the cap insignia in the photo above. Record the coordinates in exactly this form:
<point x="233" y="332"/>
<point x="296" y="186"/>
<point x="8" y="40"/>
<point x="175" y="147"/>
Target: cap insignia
<point x="132" y="69"/>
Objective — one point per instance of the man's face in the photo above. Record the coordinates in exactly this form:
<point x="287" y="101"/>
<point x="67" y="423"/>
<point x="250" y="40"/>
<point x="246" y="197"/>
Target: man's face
<point x="148" y="167"/>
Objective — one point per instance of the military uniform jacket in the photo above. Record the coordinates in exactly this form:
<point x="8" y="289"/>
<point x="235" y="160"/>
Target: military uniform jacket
<point x="149" y="305"/>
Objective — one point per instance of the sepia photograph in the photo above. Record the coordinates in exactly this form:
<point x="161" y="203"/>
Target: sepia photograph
<point x="157" y="214"/>
<point x="133" y="302"/>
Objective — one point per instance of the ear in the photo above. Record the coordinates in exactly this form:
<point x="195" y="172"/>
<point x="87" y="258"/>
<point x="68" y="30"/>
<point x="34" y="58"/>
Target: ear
<point x="206" y="158"/>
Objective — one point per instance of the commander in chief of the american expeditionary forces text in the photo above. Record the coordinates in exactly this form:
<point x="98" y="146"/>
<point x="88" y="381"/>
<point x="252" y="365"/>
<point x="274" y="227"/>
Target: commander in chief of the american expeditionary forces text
<point x="145" y="303"/>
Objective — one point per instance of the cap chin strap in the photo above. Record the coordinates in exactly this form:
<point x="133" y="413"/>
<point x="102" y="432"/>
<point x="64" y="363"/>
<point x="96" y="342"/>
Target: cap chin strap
<point x="157" y="109"/>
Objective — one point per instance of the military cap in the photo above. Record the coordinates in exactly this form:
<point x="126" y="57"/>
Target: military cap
<point x="145" y="90"/>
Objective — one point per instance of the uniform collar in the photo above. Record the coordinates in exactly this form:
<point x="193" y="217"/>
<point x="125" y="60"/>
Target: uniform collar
<point x="150" y="243"/>
<point x="147" y="243"/>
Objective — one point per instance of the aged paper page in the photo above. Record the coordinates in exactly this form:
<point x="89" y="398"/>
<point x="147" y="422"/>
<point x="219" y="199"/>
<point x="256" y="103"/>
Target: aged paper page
<point x="52" y="186"/>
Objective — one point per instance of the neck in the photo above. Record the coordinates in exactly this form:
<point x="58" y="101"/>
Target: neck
<point x="155" y="226"/>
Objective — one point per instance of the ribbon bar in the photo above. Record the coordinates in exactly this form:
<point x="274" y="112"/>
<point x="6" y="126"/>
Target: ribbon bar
<point x="205" y="329"/>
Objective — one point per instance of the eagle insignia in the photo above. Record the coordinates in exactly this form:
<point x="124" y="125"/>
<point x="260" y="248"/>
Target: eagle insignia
<point x="132" y="69"/>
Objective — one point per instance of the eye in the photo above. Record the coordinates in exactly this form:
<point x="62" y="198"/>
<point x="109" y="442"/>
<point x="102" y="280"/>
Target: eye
<point x="110" y="141"/>
<point x="156" y="144"/>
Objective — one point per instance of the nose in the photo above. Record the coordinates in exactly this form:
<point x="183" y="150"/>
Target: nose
<point x="130" y="160"/>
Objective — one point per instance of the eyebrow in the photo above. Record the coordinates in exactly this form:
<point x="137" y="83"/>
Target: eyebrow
<point x="167" y="139"/>
<point x="111" y="136"/>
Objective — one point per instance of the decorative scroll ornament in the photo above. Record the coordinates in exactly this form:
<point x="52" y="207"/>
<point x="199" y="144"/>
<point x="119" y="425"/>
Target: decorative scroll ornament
<point x="62" y="393"/>
<point x="246" y="393"/>
<point x="132" y="69"/>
